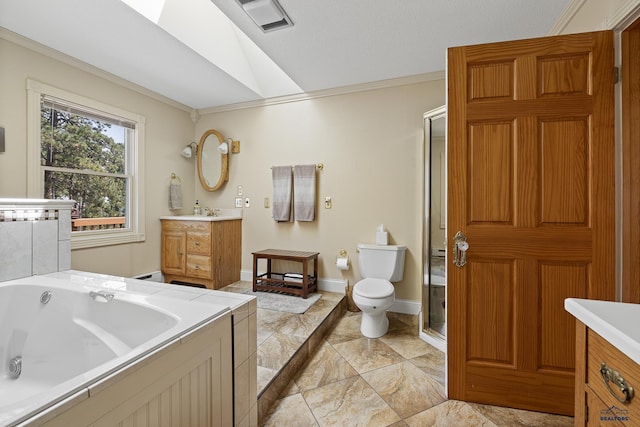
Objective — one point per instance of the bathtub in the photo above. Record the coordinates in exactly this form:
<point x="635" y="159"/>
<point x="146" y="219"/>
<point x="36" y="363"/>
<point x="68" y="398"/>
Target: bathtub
<point x="58" y="339"/>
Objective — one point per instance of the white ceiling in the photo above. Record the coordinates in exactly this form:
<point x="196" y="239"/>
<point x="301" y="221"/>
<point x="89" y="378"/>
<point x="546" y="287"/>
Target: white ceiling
<point x="193" y="58"/>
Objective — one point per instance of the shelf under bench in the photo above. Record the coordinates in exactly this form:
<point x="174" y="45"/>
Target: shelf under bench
<point x="300" y="285"/>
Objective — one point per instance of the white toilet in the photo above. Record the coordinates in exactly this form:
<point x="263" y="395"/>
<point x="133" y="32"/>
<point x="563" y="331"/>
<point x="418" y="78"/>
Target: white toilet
<point x="374" y="294"/>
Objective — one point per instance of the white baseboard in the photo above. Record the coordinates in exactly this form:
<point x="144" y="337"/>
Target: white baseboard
<point x="406" y="307"/>
<point x="246" y="275"/>
<point x="332" y="285"/>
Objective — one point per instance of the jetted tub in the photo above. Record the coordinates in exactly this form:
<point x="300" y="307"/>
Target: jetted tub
<point x="58" y="338"/>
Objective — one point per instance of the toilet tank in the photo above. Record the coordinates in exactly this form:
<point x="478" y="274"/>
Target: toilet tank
<point x="381" y="261"/>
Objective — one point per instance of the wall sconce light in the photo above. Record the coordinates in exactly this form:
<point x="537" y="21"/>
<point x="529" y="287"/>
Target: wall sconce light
<point x="224" y="147"/>
<point x="188" y="150"/>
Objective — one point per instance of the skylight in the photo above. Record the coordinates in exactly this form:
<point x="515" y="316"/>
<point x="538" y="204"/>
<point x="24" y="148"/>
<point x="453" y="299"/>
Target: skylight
<point x="201" y="26"/>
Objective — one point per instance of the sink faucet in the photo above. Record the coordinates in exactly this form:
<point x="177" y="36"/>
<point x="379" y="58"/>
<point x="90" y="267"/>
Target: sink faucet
<point x="212" y="212"/>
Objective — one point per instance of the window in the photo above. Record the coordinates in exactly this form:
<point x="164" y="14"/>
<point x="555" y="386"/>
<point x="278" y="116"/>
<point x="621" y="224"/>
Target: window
<point x="86" y="151"/>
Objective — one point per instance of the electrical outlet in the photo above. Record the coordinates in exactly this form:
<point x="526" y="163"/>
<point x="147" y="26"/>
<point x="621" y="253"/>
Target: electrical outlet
<point x="247" y="203"/>
<point x="238" y="202"/>
<point x="266" y="202"/>
<point x="327" y="202"/>
<point x="239" y="190"/>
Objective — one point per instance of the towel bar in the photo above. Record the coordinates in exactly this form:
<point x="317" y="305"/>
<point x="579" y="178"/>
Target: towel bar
<point x="319" y="166"/>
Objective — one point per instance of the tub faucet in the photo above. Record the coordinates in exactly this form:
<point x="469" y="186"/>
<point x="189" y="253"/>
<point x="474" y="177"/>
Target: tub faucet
<point x="107" y="296"/>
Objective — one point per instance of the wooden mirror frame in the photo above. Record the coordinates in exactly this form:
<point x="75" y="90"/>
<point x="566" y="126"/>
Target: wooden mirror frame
<point x="224" y="162"/>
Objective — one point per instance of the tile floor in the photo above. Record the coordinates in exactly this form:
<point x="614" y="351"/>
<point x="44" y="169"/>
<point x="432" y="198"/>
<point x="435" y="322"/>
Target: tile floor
<point x="349" y="380"/>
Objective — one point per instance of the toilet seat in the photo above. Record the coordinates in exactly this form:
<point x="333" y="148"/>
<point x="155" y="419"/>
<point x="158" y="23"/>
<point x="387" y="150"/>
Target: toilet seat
<point x="373" y="288"/>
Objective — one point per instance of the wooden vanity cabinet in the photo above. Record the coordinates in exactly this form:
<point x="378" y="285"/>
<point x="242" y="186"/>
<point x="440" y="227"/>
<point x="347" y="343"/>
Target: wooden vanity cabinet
<point x="202" y="252"/>
<point x="595" y="404"/>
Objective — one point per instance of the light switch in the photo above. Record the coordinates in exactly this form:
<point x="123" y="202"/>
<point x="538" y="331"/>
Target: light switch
<point x="238" y="202"/>
<point x="266" y="202"/>
<point x="327" y="202"/>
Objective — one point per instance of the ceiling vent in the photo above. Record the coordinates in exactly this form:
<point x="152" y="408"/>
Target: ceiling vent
<point x="267" y="14"/>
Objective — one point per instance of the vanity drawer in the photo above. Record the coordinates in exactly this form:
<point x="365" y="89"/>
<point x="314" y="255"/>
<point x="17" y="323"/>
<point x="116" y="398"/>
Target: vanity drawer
<point x="600" y="350"/>
<point x="199" y="266"/>
<point x="194" y="226"/>
<point x="198" y="243"/>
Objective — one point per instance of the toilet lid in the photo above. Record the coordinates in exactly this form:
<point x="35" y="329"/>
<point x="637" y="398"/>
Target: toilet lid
<point x="373" y="288"/>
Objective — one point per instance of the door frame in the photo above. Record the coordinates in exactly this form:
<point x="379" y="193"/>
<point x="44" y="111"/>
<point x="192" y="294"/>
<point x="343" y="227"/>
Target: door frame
<point x="628" y="101"/>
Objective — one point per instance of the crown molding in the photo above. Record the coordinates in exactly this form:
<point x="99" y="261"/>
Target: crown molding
<point x="567" y="15"/>
<point x="624" y="15"/>
<point x="382" y="84"/>
<point x="621" y="17"/>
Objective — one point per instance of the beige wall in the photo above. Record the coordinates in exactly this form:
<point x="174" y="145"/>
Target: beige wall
<point x="168" y="129"/>
<point x="371" y="145"/>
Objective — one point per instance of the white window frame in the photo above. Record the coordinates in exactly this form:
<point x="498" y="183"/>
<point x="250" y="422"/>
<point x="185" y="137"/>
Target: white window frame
<point x="135" y="232"/>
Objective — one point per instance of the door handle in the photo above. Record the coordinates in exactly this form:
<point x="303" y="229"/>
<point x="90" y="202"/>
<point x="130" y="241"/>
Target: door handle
<point x="460" y="247"/>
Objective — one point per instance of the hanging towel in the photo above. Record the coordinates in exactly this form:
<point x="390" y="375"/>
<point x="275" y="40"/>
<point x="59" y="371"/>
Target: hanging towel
<point x="304" y="192"/>
<point x="281" y="193"/>
<point x="175" y="193"/>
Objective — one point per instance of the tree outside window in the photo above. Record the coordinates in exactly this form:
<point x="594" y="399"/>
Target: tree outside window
<point x="84" y="159"/>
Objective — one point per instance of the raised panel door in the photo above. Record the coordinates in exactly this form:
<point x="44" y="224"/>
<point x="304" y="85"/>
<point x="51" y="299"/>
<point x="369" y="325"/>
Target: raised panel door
<point x="531" y="185"/>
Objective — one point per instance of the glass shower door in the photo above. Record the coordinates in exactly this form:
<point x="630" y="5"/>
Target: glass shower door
<point x="434" y="239"/>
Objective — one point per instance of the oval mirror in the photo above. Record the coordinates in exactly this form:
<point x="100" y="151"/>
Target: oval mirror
<point x="213" y="166"/>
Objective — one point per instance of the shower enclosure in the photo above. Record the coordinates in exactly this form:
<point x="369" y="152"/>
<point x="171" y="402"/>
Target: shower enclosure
<point x="434" y="289"/>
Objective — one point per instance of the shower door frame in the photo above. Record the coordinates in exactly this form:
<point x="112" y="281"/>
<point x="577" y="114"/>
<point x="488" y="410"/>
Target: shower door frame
<point x="428" y="334"/>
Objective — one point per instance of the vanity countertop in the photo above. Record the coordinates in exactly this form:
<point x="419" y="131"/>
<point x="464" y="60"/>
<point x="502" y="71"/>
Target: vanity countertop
<point x="222" y="215"/>
<point x="616" y="322"/>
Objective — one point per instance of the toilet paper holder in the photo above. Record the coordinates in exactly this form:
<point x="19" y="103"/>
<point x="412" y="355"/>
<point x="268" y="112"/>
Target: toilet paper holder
<point x="342" y="255"/>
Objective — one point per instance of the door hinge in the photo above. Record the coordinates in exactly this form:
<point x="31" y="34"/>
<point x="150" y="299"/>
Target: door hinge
<point x="616" y="74"/>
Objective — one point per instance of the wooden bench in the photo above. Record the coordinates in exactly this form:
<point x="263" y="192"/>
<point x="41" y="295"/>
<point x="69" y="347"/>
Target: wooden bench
<point x="282" y="282"/>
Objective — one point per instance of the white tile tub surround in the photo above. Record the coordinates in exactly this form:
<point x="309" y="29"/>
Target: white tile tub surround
<point x="15" y="250"/>
<point x="243" y="311"/>
<point x="85" y="349"/>
<point x="35" y="237"/>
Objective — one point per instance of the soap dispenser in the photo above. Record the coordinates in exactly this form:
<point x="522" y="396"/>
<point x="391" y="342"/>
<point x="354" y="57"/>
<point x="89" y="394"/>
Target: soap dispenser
<point x="197" y="209"/>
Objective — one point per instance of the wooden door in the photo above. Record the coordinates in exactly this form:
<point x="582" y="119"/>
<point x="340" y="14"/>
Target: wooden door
<point x="531" y="185"/>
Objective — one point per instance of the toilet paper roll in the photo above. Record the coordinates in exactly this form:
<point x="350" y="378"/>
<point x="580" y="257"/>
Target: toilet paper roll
<point x="342" y="263"/>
